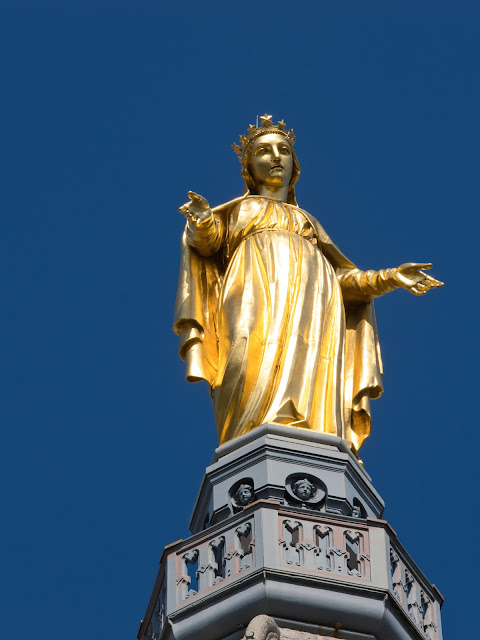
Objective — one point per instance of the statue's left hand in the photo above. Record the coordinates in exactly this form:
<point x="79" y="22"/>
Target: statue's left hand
<point x="411" y="277"/>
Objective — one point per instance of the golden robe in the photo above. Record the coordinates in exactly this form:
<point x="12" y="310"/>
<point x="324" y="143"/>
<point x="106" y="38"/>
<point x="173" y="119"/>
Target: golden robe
<point x="278" y="321"/>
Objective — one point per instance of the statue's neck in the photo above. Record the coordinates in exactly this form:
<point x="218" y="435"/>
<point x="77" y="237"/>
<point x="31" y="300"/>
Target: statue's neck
<point x="275" y="193"/>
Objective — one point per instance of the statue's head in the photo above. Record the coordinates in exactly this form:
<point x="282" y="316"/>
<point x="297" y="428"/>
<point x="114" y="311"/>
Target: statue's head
<point x="244" y="494"/>
<point x="267" y="157"/>
<point x="303" y="489"/>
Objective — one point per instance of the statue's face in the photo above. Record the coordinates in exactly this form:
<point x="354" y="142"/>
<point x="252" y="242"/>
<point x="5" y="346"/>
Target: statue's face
<point x="304" y="491"/>
<point x="244" y="495"/>
<point x="272" y="160"/>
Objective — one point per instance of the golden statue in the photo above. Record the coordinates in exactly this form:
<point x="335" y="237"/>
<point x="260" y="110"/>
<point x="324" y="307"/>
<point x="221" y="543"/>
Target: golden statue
<point x="271" y="313"/>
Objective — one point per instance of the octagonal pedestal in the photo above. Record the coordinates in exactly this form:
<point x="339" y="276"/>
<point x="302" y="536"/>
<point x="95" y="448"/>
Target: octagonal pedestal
<point x="322" y="569"/>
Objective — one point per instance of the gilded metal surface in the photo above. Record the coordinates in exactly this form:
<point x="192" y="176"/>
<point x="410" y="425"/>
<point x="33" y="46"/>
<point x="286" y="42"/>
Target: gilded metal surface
<point x="271" y="313"/>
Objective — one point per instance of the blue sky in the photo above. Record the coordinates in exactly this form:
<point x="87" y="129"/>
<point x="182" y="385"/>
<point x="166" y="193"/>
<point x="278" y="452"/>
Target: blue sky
<point x="110" y="112"/>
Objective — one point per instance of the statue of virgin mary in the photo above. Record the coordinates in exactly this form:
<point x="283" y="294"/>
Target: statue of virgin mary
<point x="271" y="313"/>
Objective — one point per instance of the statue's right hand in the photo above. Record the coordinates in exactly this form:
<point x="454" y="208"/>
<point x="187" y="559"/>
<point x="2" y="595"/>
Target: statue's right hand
<point x="196" y="209"/>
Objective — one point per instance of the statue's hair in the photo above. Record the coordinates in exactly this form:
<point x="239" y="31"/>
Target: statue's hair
<point x="249" y="180"/>
<point x="303" y="481"/>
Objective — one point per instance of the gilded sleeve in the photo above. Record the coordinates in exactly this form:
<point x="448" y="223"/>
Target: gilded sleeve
<point x="363" y="286"/>
<point x="206" y="236"/>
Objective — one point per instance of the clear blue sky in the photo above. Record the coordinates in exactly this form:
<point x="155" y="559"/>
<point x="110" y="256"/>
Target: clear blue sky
<point x="110" y="112"/>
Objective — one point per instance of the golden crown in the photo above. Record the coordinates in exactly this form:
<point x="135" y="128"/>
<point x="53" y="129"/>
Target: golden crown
<point x="254" y="132"/>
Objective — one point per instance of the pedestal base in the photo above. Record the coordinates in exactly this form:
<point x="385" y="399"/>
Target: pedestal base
<point x="271" y="459"/>
<point x="318" y="563"/>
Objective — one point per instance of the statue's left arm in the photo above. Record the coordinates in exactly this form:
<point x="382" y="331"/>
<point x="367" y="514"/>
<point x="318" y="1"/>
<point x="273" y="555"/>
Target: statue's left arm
<point x="363" y="286"/>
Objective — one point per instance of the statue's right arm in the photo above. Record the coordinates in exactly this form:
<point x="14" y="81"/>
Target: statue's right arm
<point x="205" y="231"/>
<point x="207" y="235"/>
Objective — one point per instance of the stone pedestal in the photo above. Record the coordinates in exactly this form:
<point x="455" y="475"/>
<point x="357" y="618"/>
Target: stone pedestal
<point x="308" y="549"/>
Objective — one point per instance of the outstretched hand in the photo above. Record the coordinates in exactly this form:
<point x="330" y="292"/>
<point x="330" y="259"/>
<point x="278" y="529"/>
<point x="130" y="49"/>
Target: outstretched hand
<point x="411" y="277"/>
<point x="196" y="209"/>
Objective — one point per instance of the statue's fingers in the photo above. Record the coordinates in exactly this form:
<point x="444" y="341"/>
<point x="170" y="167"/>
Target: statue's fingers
<point x="406" y="266"/>
<point x="404" y="280"/>
<point x="185" y="209"/>
<point x="423" y="265"/>
<point x="198" y="200"/>
<point x="417" y="292"/>
<point x="432" y="282"/>
<point x="414" y="267"/>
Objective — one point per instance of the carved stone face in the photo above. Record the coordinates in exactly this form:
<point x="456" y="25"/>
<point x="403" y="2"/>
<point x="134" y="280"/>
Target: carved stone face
<point x="244" y="495"/>
<point x="271" y="160"/>
<point x="304" y="490"/>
